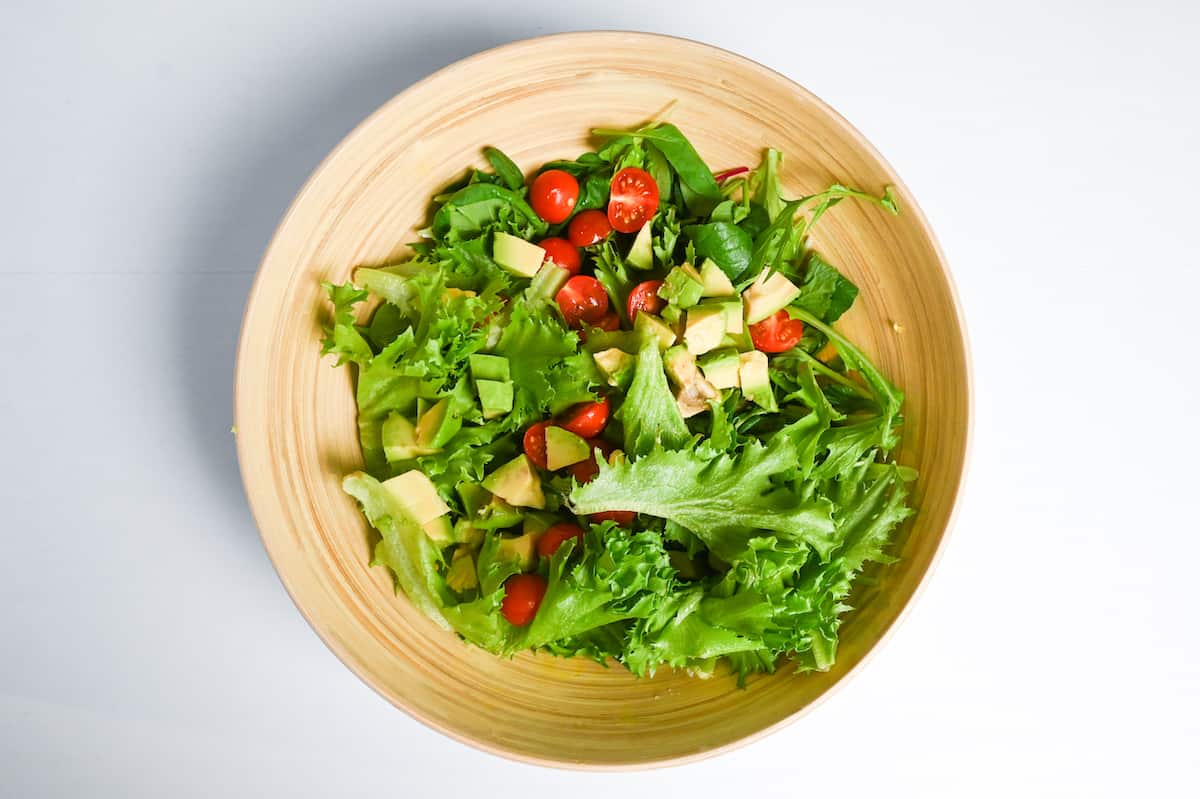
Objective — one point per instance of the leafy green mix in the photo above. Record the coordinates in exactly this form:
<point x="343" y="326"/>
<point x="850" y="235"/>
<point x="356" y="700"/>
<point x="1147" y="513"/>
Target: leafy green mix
<point x="752" y="522"/>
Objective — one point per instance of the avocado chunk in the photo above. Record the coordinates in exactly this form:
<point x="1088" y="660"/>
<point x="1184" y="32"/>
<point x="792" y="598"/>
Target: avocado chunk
<point x="438" y="425"/>
<point x="489" y="367"/>
<point x="473" y="496"/>
<point x="517" y="483"/>
<point x="495" y="396"/>
<point x="616" y="366"/>
<point x="720" y="367"/>
<point x="693" y="391"/>
<point x="545" y="284"/>
<point x="537" y="522"/>
<point x="641" y="254"/>
<point x="705" y="328"/>
<point x="740" y="342"/>
<point x="517" y="255"/>
<point x="672" y="315"/>
<point x="439" y="530"/>
<point x="400" y="440"/>
<point x="465" y="532"/>
<point x="767" y="294"/>
<point x="735" y="323"/>
<point x="716" y="283"/>
<point x="416" y="494"/>
<point x="564" y="448"/>
<point x="461" y="576"/>
<point x="521" y="548"/>
<point x="755" y="381"/>
<point x="649" y="324"/>
<point x="497" y="515"/>
<point x="681" y="288"/>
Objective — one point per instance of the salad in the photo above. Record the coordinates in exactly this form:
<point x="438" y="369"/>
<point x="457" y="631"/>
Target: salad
<point x="607" y="413"/>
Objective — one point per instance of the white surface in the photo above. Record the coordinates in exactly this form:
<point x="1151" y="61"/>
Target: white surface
<point x="146" y="152"/>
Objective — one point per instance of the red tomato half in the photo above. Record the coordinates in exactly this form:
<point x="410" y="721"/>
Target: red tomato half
<point x="610" y="321"/>
<point x="535" y="443"/>
<point x="563" y="253"/>
<point x="588" y="227"/>
<point x="587" y="419"/>
<point x="582" y="299"/>
<point x="555" y="535"/>
<point x="644" y="297"/>
<point x="585" y="471"/>
<point x="553" y="194"/>
<point x="777" y="333"/>
<point x="522" y="595"/>
<point x="622" y="517"/>
<point x="634" y="199"/>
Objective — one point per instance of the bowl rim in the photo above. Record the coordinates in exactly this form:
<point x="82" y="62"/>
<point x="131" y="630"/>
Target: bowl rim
<point x="851" y="132"/>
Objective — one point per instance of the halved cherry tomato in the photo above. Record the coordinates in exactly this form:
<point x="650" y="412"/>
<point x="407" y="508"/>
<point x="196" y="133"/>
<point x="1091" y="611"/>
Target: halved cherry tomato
<point x="555" y="535"/>
<point x="553" y="195"/>
<point x="522" y="596"/>
<point x="582" y="299"/>
<point x="644" y="297"/>
<point x="586" y="470"/>
<point x="777" y="333"/>
<point x="634" y="199"/>
<point x="622" y="517"/>
<point x="562" y="252"/>
<point x="586" y="419"/>
<point x="588" y="227"/>
<point x="535" y="443"/>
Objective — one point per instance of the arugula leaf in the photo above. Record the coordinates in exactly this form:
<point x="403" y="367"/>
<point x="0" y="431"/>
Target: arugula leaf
<point x="724" y="242"/>
<point x="506" y="170"/>
<point x="649" y="414"/>
<point x="769" y="194"/>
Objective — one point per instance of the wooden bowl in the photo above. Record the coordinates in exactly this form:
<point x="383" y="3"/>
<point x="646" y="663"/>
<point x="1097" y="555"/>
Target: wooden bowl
<point x="537" y="100"/>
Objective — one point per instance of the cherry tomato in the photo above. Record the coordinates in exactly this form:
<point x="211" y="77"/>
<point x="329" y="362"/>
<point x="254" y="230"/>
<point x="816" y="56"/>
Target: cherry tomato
<point x="555" y="535"/>
<point x="535" y="443"/>
<point x="777" y="333"/>
<point x="586" y="470"/>
<point x="588" y="227"/>
<point x="610" y="321"/>
<point x="553" y="194"/>
<point x="586" y="419"/>
<point x="634" y="199"/>
<point x="522" y="595"/>
<point x="644" y="297"/>
<point x="582" y="299"/>
<point x="622" y="517"/>
<point x="562" y="252"/>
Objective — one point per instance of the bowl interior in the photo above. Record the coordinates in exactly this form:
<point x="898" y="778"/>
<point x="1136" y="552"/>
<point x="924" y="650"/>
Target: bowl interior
<point x="295" y="413"/>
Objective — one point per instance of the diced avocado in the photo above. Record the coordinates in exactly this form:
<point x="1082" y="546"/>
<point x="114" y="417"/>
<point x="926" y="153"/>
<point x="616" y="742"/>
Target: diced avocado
<point x="716" y="283"/>
<point x="616" y="365"/>
<point x="439" y="530"/>
<point x="693" y="391"/>
<point x="473" y="496"/>
<point x="734" y="319"/>
<point x="465" y="532"/>
<point x="767" y="295"/>
<point x="741" y="342"/>
<point x="517" y="483"/>
<point x="521" y="548"/>
<point x="672" y="314"/>
<point x="498" y="514"/>
<point x="705" y="328"/>
<point x="495" y="396"/>
<point x="598" y="340"/>
<point x="686" y="568"/>
<point x="400" y="440"/>
<point x="384" y="283"/>
<point x="461" y="576"/>
<point x="438" y="425"/>
<point x="641" y="254"/>
<point x="755" y="380"/>
<point x="720" y="367"/>
<point x="681" y="288"/>
<point x="650" y="324"/>
<point x="489" y="367"/>
<point x="416" y="493"/>
<point x="564" y="448"/>
<point x="537" y="522"/>
<point x="517" y="255"/>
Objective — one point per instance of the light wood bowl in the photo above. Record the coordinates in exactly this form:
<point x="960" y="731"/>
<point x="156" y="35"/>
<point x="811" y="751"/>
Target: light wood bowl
<point x="536" y="100"/>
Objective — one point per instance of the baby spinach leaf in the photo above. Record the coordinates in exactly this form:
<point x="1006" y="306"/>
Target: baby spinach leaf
<point x="724" y="242"/>
<point x="506" y="170"/>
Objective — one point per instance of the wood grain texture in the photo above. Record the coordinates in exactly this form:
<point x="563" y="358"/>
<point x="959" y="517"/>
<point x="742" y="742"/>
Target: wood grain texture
<point x="296" y="414"/>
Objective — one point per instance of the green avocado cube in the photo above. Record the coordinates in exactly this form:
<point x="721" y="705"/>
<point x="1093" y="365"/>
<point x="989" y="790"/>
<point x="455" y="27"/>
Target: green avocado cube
<point x="489" y="367"/>
<point x="495" y="396"/>
<point x="682" y="287"/>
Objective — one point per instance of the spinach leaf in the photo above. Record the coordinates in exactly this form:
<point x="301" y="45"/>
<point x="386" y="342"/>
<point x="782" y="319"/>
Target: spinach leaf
<point x="473" y="210"/>
<point x="825" y="291"/>
<point x="508" y="172"/>
<point x="724" y="242"/>
<point x="700" y="187"/>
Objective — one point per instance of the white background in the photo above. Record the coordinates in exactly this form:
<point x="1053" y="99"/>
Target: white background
<point x="147" y="150"/>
